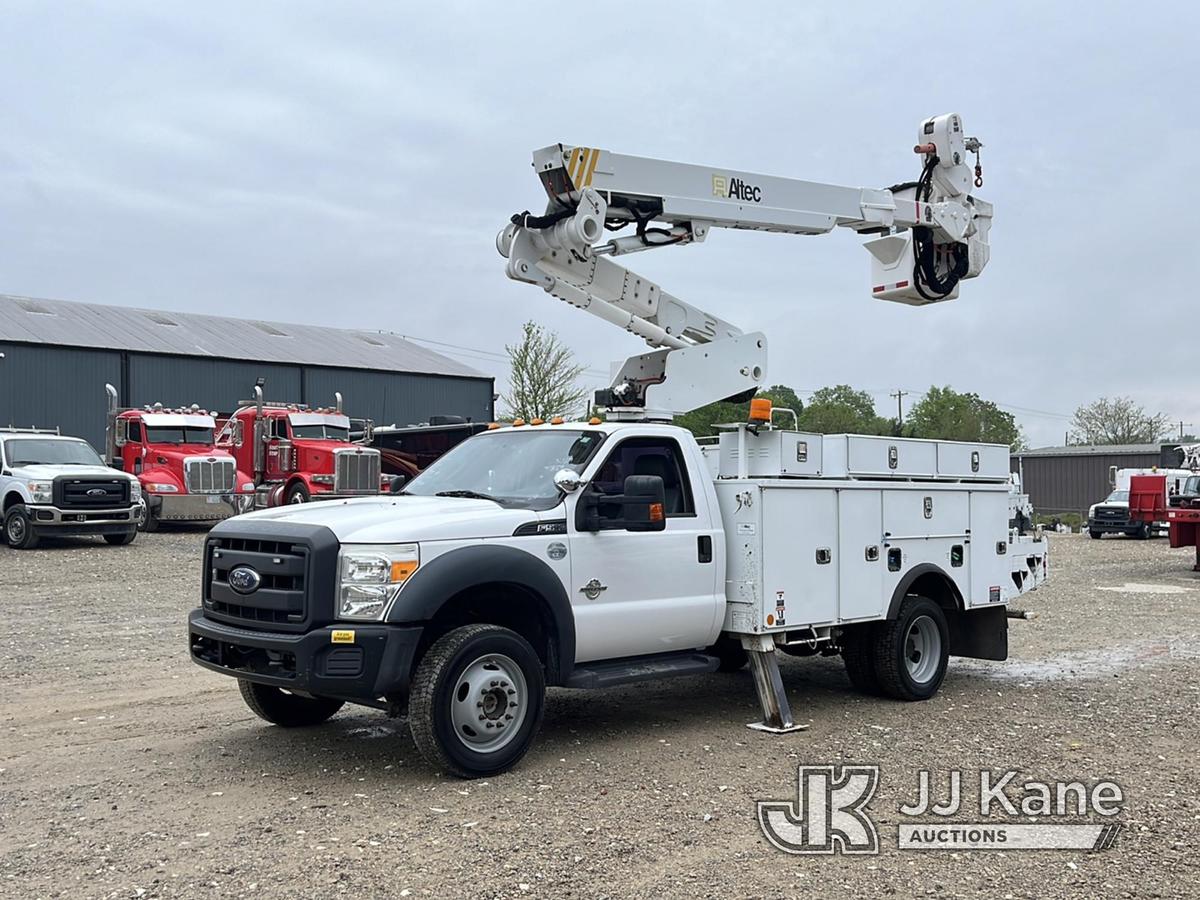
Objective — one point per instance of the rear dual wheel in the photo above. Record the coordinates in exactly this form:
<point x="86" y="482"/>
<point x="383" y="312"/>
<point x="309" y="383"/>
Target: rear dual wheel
<point x="904" y="658"/>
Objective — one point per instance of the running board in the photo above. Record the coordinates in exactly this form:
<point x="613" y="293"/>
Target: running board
<point x="641" y="668"/>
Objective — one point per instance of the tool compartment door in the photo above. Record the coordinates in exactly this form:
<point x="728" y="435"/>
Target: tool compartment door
<point x="991" y="575"/>
<point x="799" y="537"/>
<point x="860" y="555"/>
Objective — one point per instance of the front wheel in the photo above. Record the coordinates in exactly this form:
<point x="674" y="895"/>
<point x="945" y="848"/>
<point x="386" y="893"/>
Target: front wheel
<point x="298" y="493"/>
<point x="1095" y="535"/>
<point x="149" y="522"/>
<point x="911" y="651"/>
<point x="121" y="539"/>
<point x="476" y="700"/>
<point x="278" y="707"/>
<point x="18" y="529"/>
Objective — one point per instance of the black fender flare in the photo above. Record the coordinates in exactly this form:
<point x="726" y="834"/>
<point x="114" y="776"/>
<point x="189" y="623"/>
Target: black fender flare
<point x="902" y="589"/>
<point x="450" y="574"/>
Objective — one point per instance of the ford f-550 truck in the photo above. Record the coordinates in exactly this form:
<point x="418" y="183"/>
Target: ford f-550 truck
<point x="583" y="555"/>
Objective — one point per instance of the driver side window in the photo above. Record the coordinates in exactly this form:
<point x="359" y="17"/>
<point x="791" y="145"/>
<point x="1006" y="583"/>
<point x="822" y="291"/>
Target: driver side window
<point x="643" y="456"/>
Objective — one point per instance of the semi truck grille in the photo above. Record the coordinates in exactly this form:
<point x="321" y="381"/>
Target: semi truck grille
<point x="206" y="475"/>
<point x="356" y="472"/>
<point x="274" y="592"/>
<point x="90" y="493"/>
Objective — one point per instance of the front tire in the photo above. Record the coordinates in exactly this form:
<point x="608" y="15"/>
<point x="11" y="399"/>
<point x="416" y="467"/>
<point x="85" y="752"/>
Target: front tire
<point x="278" y="707"/>
<point x="477" y="700"/>
<point x="121" y="539"/>
<point x="18" y="528"/>
<point x="911" y="651"/>
<point x="1095" y="535"/>
<point x="298" y="493"/>
<point x="149" y="523"/>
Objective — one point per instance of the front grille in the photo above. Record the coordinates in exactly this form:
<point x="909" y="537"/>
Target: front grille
<point x="282" y="567"/>
<point x="356" y="472"/>
<point x="90" y="493"/>
<point x="1111" y="514"/>
<point x="209" y="475"/>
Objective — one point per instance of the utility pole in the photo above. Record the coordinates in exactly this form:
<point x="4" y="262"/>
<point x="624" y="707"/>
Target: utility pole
<point x="899" y="395"/>
<point x="1182" y="425"/>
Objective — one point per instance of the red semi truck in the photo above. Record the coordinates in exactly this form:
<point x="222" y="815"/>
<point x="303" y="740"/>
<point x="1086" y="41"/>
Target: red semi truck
<point x="294" y="453"/>
<point x="185" y="477"/>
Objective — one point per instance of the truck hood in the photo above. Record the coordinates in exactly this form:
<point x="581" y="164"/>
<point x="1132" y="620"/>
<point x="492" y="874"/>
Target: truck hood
<point x="45" y="473"/>
<point x="400" y="519"/>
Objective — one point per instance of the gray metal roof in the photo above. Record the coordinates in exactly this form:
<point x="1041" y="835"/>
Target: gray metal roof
<point x="63" y="323"/>
<point x="1096" y="450"/>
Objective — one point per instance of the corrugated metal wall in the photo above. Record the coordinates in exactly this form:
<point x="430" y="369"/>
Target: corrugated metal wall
<point x="399" y="398"/>
<point x="1062" y="484"/>
<point x="211" y="383"/>
<point x="45" y="385"/>
<point x="57" y="386"/>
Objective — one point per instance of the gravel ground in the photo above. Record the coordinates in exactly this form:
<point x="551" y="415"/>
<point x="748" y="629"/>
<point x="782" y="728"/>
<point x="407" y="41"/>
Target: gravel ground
<point x="127" y="771"/>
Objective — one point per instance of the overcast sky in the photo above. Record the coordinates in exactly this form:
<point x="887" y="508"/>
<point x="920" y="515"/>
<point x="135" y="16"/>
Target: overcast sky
<point x="350" y="164"/>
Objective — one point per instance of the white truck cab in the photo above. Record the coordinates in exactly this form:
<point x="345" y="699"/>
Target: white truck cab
<point x="52" y="485"/>
<point x="585" y="555"/>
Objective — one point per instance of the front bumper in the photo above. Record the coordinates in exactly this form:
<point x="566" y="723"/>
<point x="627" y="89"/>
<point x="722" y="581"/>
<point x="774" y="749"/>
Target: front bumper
<point x="1114" y="526"/>
<point x="50" y="520"/>
<point x="198" y="507"/>
<point x="375" y="665"/>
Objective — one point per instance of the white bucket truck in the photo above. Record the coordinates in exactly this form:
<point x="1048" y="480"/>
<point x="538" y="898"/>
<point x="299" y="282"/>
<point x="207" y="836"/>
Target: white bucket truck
<point x="583" y="555"/>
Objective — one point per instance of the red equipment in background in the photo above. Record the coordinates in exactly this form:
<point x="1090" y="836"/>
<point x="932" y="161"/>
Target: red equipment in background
<point x="1148" y="502"/>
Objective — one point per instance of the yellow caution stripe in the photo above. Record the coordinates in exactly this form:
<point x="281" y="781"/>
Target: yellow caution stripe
<point x="582" y="166"/>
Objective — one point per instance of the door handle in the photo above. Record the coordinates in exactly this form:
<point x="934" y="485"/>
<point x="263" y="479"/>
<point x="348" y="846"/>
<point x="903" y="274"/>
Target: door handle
<point x="704" y="548"/>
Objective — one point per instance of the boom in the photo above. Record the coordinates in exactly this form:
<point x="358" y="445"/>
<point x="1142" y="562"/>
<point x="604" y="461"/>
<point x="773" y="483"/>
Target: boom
<point x="928" y="235"/>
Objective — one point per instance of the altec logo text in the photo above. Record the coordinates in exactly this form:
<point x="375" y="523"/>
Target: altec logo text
<point x="735" y="189"/>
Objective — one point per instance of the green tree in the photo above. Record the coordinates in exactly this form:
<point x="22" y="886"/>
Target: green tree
<point x="1116" y="421"/>
<point x="544" y="377"/>
<point x="947" y="415"/>
<point x="701" y="422"/>
<point x="841" y="409"/>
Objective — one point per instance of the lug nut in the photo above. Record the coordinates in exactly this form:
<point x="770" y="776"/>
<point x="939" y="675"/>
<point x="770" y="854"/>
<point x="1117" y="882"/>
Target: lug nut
<point x="511" y="691"/>
<point x="508" y="717"/>
<point x="494" y="683"/>
<point x="490" y="725"/>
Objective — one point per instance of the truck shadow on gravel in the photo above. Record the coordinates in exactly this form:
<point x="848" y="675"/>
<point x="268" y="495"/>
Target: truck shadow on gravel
<point x="594" y="724"/>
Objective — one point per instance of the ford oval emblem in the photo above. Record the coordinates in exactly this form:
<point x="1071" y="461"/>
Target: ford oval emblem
<point x="97" y="492"/>
<point x="244" y="580"/>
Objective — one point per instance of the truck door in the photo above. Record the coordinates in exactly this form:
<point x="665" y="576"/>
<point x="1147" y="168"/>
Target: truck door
<point x="134" y="450"/>
<point x="278" y="448"/>
<point x="635" y="593"/>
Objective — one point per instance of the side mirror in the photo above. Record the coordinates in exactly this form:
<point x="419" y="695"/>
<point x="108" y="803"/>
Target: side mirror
<point x="567" y="480"/>
<point x="397" y="482"/>
<point x="368" y="433"/>
<point x="239" y="432"/>
<point x="1112" y="475"/>
<point x="121" y="432"/>
<point x="118" y="464"/>
<point x="644" y="503"/>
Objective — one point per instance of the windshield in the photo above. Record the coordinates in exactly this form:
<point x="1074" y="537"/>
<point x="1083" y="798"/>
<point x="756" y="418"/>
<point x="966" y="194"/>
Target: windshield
<point x="1192" y="485"/>
<point x="321" y="431"/>
<point x="180" y="435"/>
<point x="35" y="451"/>
<point x="1118" y="497"/>
<point x="514" y="469"/>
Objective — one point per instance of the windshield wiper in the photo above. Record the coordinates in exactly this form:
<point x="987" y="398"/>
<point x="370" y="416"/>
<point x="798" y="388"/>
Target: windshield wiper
<point x="470" y="495"/>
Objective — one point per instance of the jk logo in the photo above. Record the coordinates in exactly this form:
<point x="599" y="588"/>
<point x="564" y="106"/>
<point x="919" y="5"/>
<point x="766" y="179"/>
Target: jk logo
<point x="828" y="814"/>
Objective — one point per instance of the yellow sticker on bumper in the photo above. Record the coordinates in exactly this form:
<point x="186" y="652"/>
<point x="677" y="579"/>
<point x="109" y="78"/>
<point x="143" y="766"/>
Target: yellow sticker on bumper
<point x="341" y="637"/>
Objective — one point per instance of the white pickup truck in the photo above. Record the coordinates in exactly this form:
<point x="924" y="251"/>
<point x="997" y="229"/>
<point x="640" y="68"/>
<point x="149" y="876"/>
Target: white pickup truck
<point x="583" y="555"/>
<point x="52" y="485"/>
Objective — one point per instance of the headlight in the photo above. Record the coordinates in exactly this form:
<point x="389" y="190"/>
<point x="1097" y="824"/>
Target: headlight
<point x="369" y="577"/>
<point x="41" y="491"/>
<point x="322" y="479"/>
<point x="248" y="486"/>
<point x="135" y="490"/>
<point x="164" y="488"/>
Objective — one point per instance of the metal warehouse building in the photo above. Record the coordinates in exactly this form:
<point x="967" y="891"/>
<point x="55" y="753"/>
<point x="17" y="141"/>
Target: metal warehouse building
<point x="1070" y="479"/>
<point x="55" y="358"/>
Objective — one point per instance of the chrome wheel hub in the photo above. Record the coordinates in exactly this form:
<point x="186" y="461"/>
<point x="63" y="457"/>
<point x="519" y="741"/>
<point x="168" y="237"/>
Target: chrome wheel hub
<point x="488" y="705"/>
<point x="922" y="649"/>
